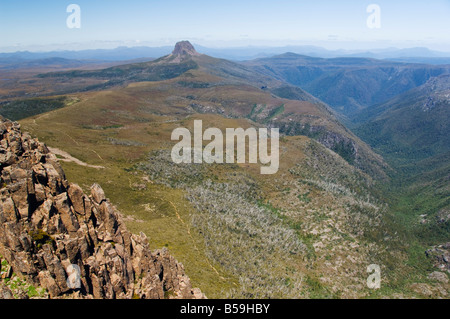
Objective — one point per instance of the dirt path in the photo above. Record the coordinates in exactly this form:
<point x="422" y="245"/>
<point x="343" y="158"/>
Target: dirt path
<point x="69" y="158"/>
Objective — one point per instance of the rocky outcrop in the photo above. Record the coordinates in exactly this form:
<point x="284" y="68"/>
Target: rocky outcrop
<point x="184" y="51"/>
<point x="57" y="237"/>
<point x="184" y="48"/>
<point x="440" y="255"/>
<point x="5" y="292"/>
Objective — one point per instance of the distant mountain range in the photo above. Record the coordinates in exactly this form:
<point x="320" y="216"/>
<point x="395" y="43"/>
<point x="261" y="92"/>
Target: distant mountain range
<point x="348" y="84"/>
<point x="414" y="55"/>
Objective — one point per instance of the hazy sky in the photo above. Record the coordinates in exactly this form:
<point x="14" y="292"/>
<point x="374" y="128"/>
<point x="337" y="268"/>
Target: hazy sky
<point x="41" y="24"/>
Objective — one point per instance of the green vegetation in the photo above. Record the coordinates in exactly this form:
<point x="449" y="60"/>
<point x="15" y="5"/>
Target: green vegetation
<point x="193" y="85"/>
<point x="410" y="131"/>
<point x="345" y="150"/>
<point x="304" y="197"/>
<point x="259" y="236"/>
<point x="41" y="238"/>
<point x="21" y="109"/>
<point x="20" y="287"/>
<point x="255" y="111"/>
<point x="99" y="127"/>
<point x="291" y="93"/>
<point x="275" y="112"/>
<point x="317" y="289"/>
<point x="138" y="72"/>
<point x="210" y="217"/>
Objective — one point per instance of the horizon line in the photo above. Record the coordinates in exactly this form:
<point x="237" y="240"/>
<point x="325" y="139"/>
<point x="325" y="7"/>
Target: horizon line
<point x="145" y="44"/>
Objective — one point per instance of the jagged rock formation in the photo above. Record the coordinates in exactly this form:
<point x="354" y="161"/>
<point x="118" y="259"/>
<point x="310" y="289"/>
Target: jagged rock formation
<point x="183" y="51"/>
<point x="49" y="227"/>
<point x="185" y="48"/>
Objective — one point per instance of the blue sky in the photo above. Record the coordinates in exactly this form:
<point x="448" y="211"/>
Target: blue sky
<point x="41" y="24"/>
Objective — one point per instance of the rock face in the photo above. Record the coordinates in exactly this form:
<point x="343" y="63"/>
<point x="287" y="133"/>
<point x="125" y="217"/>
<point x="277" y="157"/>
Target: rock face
<point x="440" y="255"/>
<point x="5" y="292"/>
<point x="183" y="51"/>
<point x="184" y="48"/>
<point x="72" y="244"/>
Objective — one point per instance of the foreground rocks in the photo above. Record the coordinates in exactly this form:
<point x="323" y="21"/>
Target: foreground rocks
<point x="73" y="244"/>
<point x="5" y="292"/>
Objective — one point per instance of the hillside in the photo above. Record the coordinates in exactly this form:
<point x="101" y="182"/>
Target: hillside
<point x="49" y="227"/>
<point x="198" y="83"/>
<point x="19" y="77"/>
<point x="308" y="231"/>
<point x="294" y="225"/>
<point x="412" y="125"/>
<point x="412" y="133"/>
<point x="348" y="85"/>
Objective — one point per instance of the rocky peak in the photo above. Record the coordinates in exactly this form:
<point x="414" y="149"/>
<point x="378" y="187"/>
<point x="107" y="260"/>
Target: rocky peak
<point x="183" y="51"/>
<point x="49" y="228"/>
<point x="184" y="48"/>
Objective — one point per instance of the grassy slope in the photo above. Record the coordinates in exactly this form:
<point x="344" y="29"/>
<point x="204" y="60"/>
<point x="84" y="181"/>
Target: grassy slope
<point x="340" y="227"/>
<point x="153" y="209"/>
<point x="410" y="131"/>
<point x="86" y="129"/>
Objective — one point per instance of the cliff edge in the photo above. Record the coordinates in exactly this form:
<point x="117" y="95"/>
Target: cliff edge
<point x="75" y="246"/>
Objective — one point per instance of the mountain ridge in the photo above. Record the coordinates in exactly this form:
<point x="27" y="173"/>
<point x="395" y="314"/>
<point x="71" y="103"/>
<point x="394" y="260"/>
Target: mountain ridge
<point x="417" y="119"/>
<point x="233" y="53"/>
<point x="348" y="84"/>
